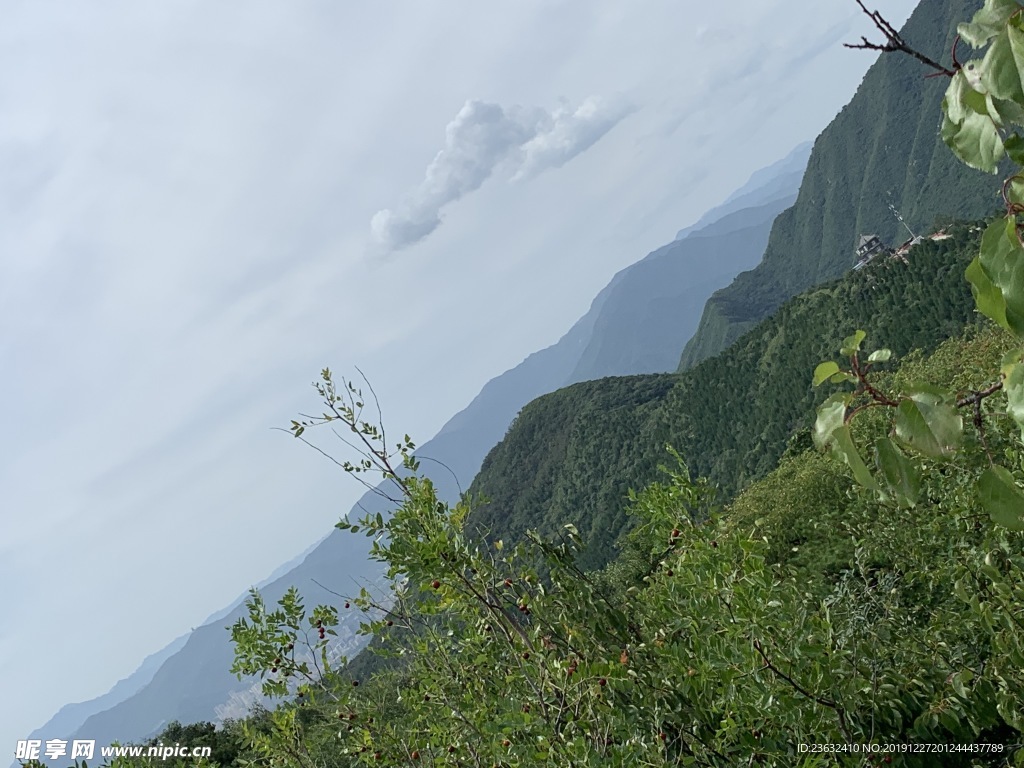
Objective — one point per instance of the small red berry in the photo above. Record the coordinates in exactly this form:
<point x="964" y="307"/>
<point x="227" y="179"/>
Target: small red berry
<point x="506" y="743"/>
<point x="602" y="682"/>
<point x="415" y="754"/>
<point x="435" y="583"/>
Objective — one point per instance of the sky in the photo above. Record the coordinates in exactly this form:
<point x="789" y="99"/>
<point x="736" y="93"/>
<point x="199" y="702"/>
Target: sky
<point x="203" y="204"/>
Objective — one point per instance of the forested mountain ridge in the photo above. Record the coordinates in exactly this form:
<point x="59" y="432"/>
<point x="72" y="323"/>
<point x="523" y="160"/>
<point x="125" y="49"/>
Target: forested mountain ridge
<point x="572" y="456"/>
<point x="883" y="148"/>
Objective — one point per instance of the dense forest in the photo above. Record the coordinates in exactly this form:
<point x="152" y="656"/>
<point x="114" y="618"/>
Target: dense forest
<point x="572" y="456"/>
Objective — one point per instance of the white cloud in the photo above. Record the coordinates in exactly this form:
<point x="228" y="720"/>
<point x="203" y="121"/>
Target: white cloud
<point x="571" y="132"/>
<point x="482" y="137"/>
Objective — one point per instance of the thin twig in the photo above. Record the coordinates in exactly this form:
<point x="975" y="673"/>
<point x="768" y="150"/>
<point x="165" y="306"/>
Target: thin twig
<point x="895" y="42"/>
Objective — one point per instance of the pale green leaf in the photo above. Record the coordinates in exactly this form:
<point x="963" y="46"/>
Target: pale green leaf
<point x="929" y="424"/>
<point x="831" y="416"/>
<point x="843" y="377"/>
<point x="1002" y="260"/>
<point x="901" y="474"/>
<point x="1013" y="385"/>
<point x="1000" y="69"/>
<point x="988" y="22"/>
<point x="844" y="447"/>
<point x="851" y="344"/>
<point x="967" y="127"/>
<point x="825" y="371"/>
<point x="987" y="297"/>
<point x="880" y="356"/>
<point x="1002" y="498"/>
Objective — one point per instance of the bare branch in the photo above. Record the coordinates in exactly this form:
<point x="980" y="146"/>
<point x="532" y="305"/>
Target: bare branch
<point x="895" y="42"/>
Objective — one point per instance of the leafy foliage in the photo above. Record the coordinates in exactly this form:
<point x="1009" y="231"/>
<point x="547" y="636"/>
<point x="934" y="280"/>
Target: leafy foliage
<point x="983" y="107"/>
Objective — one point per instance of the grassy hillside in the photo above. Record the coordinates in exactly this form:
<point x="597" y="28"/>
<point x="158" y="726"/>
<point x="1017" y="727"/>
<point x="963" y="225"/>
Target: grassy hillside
<point x="882" y="148"/>
<point x="572" y="456"/>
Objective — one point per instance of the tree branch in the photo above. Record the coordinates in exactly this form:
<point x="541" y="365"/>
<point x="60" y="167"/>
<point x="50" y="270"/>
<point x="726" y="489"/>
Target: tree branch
<point x="895" y="42"/>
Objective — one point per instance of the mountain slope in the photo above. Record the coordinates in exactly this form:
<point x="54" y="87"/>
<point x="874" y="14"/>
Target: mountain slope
<point x="882" y="148"/>
<point x="621" y="333"/>
<point x="571" y="456"/>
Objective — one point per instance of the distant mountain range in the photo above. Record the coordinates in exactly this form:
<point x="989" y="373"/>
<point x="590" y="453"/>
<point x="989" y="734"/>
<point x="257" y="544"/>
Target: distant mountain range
<point x="638" y="323"/>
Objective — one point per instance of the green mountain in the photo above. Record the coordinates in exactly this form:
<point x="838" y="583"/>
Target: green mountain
<point x="572" y="456"/>
<point x="883" y="148"/>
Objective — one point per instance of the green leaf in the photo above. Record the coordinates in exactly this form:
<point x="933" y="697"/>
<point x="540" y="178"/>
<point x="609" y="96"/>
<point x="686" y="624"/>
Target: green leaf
<point x="1001" y="67"/>
<point x="841" y="377"/>
<point x="987" y="297"/>
<point x="880" y="356"/>
<point x="825" y="371"/>
<point x="1014" y="146"/>
<point x="851" y="344"/>
<point x="844" y="447"/>
<point x="988" y="22"/>
<point x="1006" y="113"/>
<point x="929" y="424"/>
<point x="1002" y="260"/>
<point x="967" y="127"/>
<point x="901" y="475"/>
<point x="831" y="416"/>
<point x="1002" y="498"/>
<point x="1013" y="385"/>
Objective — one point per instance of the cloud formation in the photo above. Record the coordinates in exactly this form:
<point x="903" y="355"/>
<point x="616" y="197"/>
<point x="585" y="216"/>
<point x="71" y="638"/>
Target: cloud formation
<point x="482" y="137"/>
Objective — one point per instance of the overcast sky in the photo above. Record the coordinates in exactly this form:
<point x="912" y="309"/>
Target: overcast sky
<point x="203" y="204"/>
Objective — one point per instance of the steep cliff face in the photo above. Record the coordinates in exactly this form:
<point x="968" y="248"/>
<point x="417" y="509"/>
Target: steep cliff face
<point x="883" y="148"/>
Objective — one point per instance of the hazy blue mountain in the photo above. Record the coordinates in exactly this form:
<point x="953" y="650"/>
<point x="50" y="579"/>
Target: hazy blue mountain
<point x="638" y="323"/>
<point x="71" y="716"/>
<point x="779" y="180"/>
<point x="652" y="308"/>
